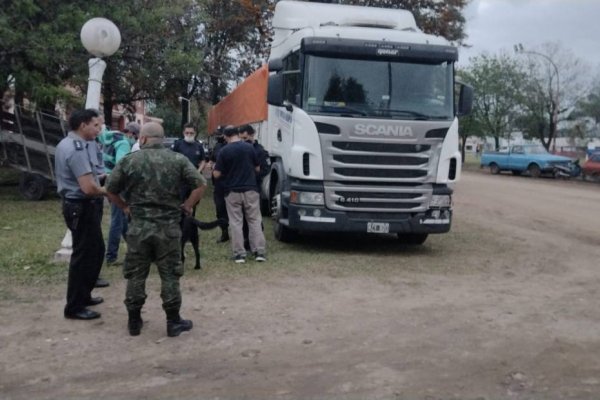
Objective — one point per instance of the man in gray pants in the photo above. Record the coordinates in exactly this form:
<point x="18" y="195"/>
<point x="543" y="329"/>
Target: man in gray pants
<point x="237" y="165"/>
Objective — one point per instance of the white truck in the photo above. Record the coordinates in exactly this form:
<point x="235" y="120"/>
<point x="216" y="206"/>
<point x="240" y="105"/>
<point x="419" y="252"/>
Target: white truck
<point x="362" y="128"/>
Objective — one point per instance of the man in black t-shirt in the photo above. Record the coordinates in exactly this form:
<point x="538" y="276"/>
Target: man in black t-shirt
<point x="219" y="190"/>
<point x="237" y="165"/>
<point x="247" y="134"/>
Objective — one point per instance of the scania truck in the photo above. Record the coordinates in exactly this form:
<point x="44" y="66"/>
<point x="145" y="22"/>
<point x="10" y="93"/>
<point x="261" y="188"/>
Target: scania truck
<point x="361" y="124"/>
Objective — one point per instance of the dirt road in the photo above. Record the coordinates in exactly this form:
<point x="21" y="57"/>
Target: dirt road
<point x="504" y="307"/>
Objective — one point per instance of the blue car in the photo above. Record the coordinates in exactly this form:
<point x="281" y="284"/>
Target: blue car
<point x="532" y="159"/>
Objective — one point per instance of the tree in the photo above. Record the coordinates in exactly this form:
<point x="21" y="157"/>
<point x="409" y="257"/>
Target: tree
<point x="442" y="18"/>
<point x="235" y="40"/>
<point x="498" y="81"/>
<point x="159" y="51"/>
<point x="589" y="106"/>
<point x="555" y="83"/>
<point x="41" y="49"/>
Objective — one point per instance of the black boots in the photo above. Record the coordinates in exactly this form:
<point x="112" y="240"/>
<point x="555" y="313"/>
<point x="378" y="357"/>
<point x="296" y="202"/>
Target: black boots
<point x="224" y="235"/>
<point x="135" y="323"/>
<point x="176" y="325"/>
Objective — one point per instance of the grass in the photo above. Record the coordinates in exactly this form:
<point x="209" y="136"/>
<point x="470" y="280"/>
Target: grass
<point x="30" y="233"/>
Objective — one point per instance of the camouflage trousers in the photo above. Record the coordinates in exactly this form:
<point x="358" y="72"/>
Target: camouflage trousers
<point x="158" y="243"/>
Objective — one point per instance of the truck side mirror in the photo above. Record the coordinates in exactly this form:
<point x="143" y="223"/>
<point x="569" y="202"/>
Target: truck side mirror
<point x="275" y="65"/>
<point x="465" y="100"/>
<point x="275" y="90"/>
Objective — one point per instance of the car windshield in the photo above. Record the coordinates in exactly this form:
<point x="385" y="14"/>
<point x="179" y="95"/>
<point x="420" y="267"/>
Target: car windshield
<point x="384" y="89"/>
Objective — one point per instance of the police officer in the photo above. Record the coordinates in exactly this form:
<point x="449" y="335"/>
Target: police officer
<point x="81" y="193"/>
<point x="150" y="181"/>
<point x="193" y="150"/>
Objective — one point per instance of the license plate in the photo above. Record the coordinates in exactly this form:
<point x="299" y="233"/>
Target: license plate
<point x="378" y="227"/>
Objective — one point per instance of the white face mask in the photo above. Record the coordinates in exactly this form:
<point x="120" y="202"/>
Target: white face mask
<point x="188" y="139"/>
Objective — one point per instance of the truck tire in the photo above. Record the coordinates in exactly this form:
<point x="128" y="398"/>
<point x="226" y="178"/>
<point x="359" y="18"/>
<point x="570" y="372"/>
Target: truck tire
<point x="33" y="187"/>
<point x="413" y="239"/>
<point x="494" y="169"/>
<point x="534" y="170"/>
<point x="281" y="232"/>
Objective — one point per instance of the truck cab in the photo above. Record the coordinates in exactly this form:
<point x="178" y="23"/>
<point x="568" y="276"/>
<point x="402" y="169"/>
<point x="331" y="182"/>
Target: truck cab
<point x="362" y="130"/>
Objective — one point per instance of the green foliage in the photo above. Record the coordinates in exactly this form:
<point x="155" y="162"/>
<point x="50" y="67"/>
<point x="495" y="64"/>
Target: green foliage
<point x="498" y="82"/>
<point x="41" y="48"/>
<point x="441" y="18"/>
<point x="171" y="118"/>
<point x="589" y="106"/>
<point x="235" y="41"/>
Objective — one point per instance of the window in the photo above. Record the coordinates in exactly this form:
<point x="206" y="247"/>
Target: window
<point x="378" y="88"/>
<point x="291" y="78"/>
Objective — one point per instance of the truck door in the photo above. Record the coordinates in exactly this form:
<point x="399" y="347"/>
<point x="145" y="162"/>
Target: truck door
<point x="517" y="159"/>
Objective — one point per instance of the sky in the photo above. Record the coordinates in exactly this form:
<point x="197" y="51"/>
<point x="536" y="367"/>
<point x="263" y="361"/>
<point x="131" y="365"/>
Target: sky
<point x="493" y="25"/>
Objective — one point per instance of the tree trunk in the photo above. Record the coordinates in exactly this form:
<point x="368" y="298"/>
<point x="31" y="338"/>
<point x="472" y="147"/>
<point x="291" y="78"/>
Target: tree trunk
<point x="463" y="146"/>
<point x="497" y="143"/>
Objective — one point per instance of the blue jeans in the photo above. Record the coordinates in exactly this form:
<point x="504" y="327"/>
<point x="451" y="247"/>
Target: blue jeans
<point x="118" y="228"/>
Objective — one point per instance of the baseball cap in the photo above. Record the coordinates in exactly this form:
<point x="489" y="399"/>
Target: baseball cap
<point x="133" y="127"/>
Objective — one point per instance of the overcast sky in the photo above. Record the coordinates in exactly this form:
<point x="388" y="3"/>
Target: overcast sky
<point x="499" y="24"/>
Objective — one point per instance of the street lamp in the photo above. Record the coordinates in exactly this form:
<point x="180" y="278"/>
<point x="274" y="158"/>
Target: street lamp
<point x="555" y="99"/>
<point x="101" y="38"/>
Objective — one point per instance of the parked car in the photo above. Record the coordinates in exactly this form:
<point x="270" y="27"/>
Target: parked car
<point x="532" y="159"/>
<point x="591" y="168"/>
<point x="168" y="141"/>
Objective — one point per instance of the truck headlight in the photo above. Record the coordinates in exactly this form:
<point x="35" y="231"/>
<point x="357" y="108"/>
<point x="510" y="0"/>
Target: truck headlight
<point x="440" y="201"/>
<point x="310" y="198"/>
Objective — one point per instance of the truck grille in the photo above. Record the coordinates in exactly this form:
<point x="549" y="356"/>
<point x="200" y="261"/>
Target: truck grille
<point x="384" y="177"/>
<point x="388" y="174"/>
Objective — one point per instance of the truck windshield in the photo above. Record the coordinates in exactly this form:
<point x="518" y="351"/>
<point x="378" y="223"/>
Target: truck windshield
<point x="380" y="89"/>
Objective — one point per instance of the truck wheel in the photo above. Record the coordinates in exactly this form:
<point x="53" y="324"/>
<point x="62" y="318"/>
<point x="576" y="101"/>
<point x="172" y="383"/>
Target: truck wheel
<point x="415" y="239"/>
<point x="595" y="177"/>
<point x="534" y="170"/>
<point x="281" y="232"/>
<point x="494" y="169"/>
<point x="33" y="187"/>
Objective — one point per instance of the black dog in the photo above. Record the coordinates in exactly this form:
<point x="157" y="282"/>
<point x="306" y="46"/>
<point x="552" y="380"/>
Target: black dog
<point x="189" y="233"/>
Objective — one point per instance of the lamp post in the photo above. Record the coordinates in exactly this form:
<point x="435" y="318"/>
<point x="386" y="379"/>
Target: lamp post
<point x="101" y="38"/>
<point x="555" y="99"/>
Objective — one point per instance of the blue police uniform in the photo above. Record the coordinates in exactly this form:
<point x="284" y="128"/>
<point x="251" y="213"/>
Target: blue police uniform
<point x="193" y="151"/>
<point x="74" y="158"/>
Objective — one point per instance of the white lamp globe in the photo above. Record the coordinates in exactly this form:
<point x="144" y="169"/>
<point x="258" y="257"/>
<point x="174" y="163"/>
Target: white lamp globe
<point x="100" y="37"/>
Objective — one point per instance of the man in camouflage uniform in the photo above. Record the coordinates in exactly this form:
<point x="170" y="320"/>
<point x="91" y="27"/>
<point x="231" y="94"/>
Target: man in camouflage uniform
<point x="150" y="180"/>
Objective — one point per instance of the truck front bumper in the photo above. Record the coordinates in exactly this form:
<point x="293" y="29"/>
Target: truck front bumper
<point x="312" y="218"/>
